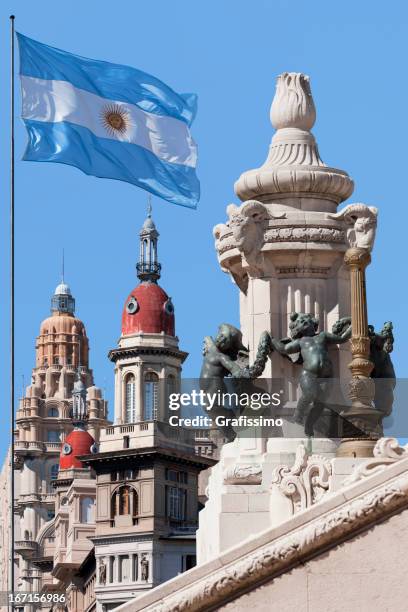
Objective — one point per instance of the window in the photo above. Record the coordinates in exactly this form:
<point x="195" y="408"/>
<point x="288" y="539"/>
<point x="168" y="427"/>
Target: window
<point x="135" y="567"/>
<point x="176" y="476"/>
<point x="129" y="474"/>
<point x="86" y="510"/>
<point x="187" y="562"/>
<point x="130" y="394"/>
<point x="54" y="471"/>
<point x="55" y="361"/>
<point x="176" y="503"/>
<point x="125" y="501"/>
<point x="151" y="396"/>
<point x="53" y="412"/>
<point x="124" y="568"/>
<point x="53" y="436"/>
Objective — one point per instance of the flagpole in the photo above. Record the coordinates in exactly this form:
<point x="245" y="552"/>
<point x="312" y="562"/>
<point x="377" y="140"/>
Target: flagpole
<point x="11" y="584"/>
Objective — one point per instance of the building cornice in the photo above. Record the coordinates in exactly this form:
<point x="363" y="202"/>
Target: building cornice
<point x="159" y="452"/>
<point x="123" y="353"/>
<point x="276" y="550"/>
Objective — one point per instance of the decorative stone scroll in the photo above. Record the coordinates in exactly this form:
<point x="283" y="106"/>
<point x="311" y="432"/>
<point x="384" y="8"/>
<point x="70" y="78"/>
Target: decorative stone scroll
<point x="306" y="482"/>
<point x="386" y="452"/>
<point x="243" y="474"/>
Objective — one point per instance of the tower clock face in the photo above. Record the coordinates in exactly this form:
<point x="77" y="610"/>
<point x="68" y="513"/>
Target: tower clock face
<point x="66" y="449"/>
<point x="168" y="307"/>
<point x="132" y="306"/>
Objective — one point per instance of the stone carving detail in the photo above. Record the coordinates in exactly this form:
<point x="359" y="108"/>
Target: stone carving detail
<point x="225" y="239"/>
<point x="247" y="224"/>
<point x="362" y="224"/>
<point x="386" y="452"/>
<point x="389" y="448"/>
<point x="274" y="558"/>
<point x="144" y="564"/>
<point x="243" y="473"/>
<point x="294" y="165"/>
<point x="304" y="234"/>
<point x="306" y="482"/>
<point x="102" y="572"/>
<point x="293" y="105"/>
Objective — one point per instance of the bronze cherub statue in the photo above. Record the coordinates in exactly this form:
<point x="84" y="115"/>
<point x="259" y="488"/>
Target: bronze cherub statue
<point x="225" y="356"/>
<point x="317" y="365"/>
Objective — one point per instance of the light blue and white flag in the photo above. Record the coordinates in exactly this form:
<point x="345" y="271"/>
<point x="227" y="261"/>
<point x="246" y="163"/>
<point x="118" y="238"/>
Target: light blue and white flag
<point x="108" y="120"/>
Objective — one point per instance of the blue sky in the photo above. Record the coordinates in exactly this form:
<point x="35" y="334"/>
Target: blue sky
<point x="229" y="53"/>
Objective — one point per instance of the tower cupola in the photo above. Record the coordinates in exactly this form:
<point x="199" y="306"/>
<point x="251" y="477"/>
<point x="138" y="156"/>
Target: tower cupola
<point x="62" y="300"/>
<point x="148" y="267"/>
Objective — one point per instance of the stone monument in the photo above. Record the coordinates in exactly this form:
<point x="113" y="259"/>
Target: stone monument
<point x="288" y="250"/>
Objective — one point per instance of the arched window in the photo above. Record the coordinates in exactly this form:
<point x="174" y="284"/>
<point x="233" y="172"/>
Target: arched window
<point x="130" y="398"/>
<point x="144" y="253"/>
<point x="87" y="510"/>
<point x="53" y="436"/>
<point x="125" y="500"/>
<point x="53" y="412"/>
<point x="151" y="396"/>
<point x="54" y="471"/>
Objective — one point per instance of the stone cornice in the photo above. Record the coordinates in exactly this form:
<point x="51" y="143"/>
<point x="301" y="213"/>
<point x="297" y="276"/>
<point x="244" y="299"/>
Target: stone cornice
<point x="123" y="353"/>
<point x="274" y="551"/>
<point x="154" y="451"/>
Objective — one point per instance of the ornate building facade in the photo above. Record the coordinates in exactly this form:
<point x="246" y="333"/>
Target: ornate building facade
<point x="60" y="379"/>
<point x="105" y="511"/>
<point x="146" y="470"/>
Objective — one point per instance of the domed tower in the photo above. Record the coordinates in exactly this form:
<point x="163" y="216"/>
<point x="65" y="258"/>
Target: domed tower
<point x="61" y="395"/>
<point x="148" y="360"/>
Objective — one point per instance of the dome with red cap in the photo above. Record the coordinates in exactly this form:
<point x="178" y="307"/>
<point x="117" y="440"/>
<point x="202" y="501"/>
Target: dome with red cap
<point x="78" y="442"/>
<point x="148" y="309"/>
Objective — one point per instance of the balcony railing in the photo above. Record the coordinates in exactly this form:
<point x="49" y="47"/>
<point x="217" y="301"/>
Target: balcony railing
<point x="22" y="447"/>
<point x="26" y="548"/>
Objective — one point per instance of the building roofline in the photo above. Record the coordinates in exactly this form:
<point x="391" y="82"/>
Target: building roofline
<point x="160" y="451"/>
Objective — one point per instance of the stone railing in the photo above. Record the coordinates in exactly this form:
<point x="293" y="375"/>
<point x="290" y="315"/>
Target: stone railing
<point x="23" y="447"/>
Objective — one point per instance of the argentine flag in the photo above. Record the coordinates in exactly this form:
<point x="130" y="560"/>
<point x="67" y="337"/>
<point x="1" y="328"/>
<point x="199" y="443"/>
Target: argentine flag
<point x="109" y="121"/>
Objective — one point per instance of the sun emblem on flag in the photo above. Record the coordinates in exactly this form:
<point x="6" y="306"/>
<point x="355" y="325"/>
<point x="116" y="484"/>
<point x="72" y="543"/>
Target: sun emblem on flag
<point x="115" y="119"/>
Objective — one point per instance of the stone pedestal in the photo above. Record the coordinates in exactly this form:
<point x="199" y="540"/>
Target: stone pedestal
<point x="240" y="501"/>
<point x="284" y="247"/>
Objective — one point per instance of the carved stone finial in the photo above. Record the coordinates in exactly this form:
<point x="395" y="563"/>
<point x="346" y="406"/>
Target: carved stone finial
<point x="294" y="167"/>
<point x="362" y="224"/>
<point x="293" y="105"/>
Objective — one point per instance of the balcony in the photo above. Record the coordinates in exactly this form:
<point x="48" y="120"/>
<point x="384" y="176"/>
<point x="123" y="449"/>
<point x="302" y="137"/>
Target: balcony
<point x="52" y="447"/>
<point x="145" y="434"/>
<point x="28" y="448"/>
<point x="26" y="548"/>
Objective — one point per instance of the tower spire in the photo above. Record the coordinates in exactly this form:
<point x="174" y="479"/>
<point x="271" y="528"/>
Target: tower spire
<point x="148" y="267"/>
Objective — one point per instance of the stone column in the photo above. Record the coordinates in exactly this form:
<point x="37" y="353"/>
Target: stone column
<point x="362" y="421"/>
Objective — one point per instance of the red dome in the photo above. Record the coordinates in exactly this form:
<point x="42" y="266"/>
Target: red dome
<point x="148" y="309"/>
<point x="78" y="442"/>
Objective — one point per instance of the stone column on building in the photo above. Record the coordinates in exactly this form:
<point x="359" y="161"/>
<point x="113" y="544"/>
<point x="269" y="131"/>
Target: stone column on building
<point x="361" y="417"/>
